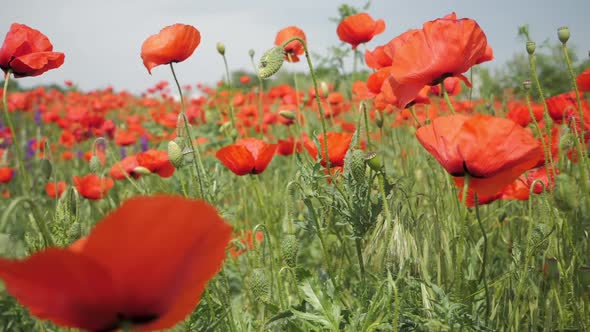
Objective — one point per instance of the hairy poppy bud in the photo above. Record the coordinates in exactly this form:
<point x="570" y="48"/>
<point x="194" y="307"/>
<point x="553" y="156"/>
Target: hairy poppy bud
<point x="530" y="47"/>
<point x="289" y="250"/>
<point x="175" y="154"/>
<point x="259" y="286"/>
<point x="271" y="61"/>
<point x="142" y="170"/>
<point x="324" y="89"/>
<point x="563" y="34"/>
<point x="289" y="115"/>
<point x="46" y="168"/>
<point x="95" y="164"/>
<point x="221" y="48"/>
<point x="357" y="165"/>
<point x="251" y="53"/>
<point x="373" y="161"/>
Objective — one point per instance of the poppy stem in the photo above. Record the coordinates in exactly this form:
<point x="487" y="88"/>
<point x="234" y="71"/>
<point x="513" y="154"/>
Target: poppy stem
<point x="413" y="113"/>
<point x="462" y="233"/>
<point x="575" y="87"/>
<point x="230" y="100"/>
<point x="483" y="276"/>
<point x="546" y="116"/>
<point x="363" y="107"/>
<point x="196" y="154"/>
<point x="260" y="94"/>
<point x="317" y="97"/>
<point x="546" y="149"/>
<point x="14" y="134"/>
<point x="447" y="99"/>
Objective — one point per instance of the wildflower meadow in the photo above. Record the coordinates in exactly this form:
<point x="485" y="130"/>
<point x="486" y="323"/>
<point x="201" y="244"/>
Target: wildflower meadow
<point x="413" y="191"/>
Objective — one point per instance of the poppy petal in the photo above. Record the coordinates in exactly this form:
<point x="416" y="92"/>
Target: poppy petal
<point x="237" y="158"/>
<point x="161" y="263"/>
<point x="35" y="64"/>
<point x="63" y="286"/>
<point x="264" y="157"/>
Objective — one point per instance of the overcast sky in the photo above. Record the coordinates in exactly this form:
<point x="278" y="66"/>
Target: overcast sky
<point x="102" y="39"/>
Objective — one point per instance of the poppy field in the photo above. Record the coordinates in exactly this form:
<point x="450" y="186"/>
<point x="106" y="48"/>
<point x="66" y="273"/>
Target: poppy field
<point x="396" y="196"/>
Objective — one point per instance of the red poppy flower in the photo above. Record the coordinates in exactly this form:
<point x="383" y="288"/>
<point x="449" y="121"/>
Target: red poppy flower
<point x="55" y="191"/>
<point x="583" y="81"/>
<point x="560" y="105"/>
<point x="245" y="79"/>
<point x="174" y="43"/>
<point x="358" y="29"/>
<point x="6" y="174"/>
<point x="294" y="48"/>
<point x="442" y="48"/>
<point x="288" y="146"/>
<point x="92" y="186"/>
<point x="246" y="243"/>
<point x="28" y="52"/>
<point x="125" y="138"/>
<point x="156" y="162"/>
<point x="126" y="166"/>
<point x="247" y="156"/>
<point x="492" y="151"/>
<point x="452" y="85"/>
<point x="108" y="280"/>
<point x="377" y="58"/>
<point x="338" y="144"/>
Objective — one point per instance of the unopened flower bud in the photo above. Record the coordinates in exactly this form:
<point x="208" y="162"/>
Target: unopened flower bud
<point x="259" y="286"/>
<point x="530" y="47"/>
<point x="175" y="154"/>
<point x="526" y="84"/>
<point x="271" y="61"/>
<point x="95" y="164"/>
<point x="289" y="250"/>
<point x="563" y="34"/>
<point x="142" y="170"/>
<point x="373" y="161"/>
<point x="357" y="165"/>
<point x="288" y="114"/>
<point x="46" y="168"/>
<point x="324" y="89"/>
<point x="221" y="48"/>
<point x="251" y="53"/>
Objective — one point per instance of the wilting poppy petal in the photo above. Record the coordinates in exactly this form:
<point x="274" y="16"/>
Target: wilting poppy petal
<point x="237" y="158"/>
<point x="174" y="43"/>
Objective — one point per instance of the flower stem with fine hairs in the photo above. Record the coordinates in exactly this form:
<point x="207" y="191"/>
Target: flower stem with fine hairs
<point x="447" y="99"/>
<point x="229" y="97"/>
<point x="317" y="96"/>
<point x="260" y="91"/>
<point x="14" y="138"/>
<point x="575" y="87"/>
<point x="196" y="155"/>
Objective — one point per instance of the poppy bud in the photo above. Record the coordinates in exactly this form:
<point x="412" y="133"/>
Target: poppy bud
<point x="220" y="48"/>
<point x="526" y="85"/>
<point x="530" y="47"/>
<point x="289" y="115"/>
<point x="551" y="269"/>
<point x="46" y="168"/>
<point x="251" y="53"/>
<point x="95" y="164"/>
<point x="289" y="250"/>
<point x="373" y="161"/>
<point x="379" y="120"/>
<point x="271" y="61"/>
<point x="324" y="89"/>
<point x="259" y="286"/>
<point x="142" y="170"/>
<point x="357" y="165"/>
<point x="563" y="34"/>
<point x="175" y="154"/>
<point x="71" y="198"/>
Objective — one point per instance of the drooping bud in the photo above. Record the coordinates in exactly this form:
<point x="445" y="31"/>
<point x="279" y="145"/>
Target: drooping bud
<point x="259" y="286"/>
<point x="373" y="161"/>
<point x="289" y="250"/>
<point x="563" y="33"/>
<point x="271" y="61"/>
<point x="46" y="168"/>
<point x="220" y="48"/>
<point x="526" y="85"/>
<point x="251" y="53"/>
<point x="142" y="170"/>
<point x="175" y="154"/>
<point x="530" y="47"/>
<point x="357" y="165"/>
<point x="95" y="164"/>
<point x="288" y="114"/>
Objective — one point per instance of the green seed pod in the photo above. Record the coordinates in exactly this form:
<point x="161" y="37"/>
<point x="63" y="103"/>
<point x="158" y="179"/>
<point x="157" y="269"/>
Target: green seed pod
<point x="530" y="47"/>
<point x="259" y="286"/>
<point x="563" y="34"/>
<point x="95" y="165"/>
<point x="271" y="61"/>
<point x="142" y="170"/>
<point x="220" y="48"/>
<point x="175" y="154"/>
<point x="46" y="168"/>
<point x="251" y="53"/>
<point x="357" y="165"/>
<point x="289" y="250"/>
<point x="289" y="115"/>
<point x="373" y="161"/>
